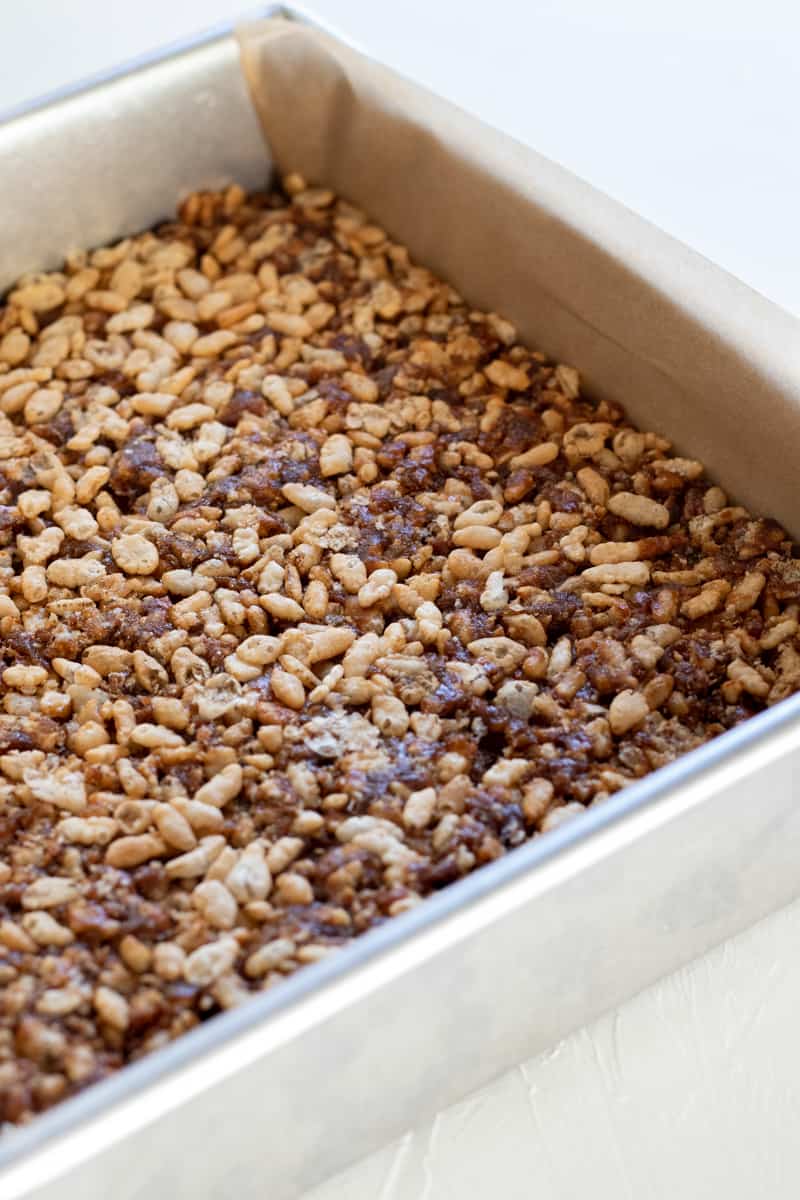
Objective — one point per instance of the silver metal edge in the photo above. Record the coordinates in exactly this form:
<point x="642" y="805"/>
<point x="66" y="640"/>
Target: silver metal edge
<point x="28" y="1156"/>
<point x="140" y="1092"/>
<point x="125" y="125"/>
<point x="140" y="62"/>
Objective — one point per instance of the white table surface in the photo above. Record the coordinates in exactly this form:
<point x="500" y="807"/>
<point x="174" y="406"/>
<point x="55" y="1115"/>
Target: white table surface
<point x="687" y="111"/>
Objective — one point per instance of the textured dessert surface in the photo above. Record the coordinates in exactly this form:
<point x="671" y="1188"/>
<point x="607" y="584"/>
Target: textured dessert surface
<point x="317" y="592"/>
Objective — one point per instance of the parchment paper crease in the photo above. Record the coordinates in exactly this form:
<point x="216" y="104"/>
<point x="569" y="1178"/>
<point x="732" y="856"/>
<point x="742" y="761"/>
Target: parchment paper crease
<point x="689" y="350"/>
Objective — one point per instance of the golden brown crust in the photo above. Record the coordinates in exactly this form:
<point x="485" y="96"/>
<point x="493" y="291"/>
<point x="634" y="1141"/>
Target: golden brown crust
<point x="318" y="591"/>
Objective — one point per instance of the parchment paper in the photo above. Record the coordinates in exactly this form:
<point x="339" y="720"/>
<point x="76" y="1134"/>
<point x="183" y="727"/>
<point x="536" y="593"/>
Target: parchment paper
<point x="689" y="350"/>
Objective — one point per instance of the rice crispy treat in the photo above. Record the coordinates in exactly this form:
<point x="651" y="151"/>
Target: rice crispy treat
<point x="317" y="592"/>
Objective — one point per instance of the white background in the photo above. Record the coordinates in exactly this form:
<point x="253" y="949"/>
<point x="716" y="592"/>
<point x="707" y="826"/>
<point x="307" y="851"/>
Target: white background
<point x="687" y="112"/>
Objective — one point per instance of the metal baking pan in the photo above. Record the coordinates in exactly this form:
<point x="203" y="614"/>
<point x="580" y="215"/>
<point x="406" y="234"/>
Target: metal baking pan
<point x="272" y="1097"/>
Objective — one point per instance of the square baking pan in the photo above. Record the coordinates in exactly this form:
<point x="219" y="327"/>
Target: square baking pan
<point x="270" y="1098"/>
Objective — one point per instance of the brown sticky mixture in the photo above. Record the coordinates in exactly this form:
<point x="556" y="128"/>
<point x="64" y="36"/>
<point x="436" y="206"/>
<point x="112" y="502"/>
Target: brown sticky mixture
<point x="317" y="592"/>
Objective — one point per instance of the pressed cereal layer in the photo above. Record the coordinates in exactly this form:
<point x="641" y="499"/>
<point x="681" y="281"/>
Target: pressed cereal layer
<point x="317" y="592"/>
